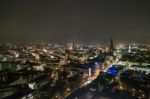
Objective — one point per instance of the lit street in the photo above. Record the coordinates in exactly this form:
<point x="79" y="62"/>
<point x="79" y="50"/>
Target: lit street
<point x="74" y="49"/>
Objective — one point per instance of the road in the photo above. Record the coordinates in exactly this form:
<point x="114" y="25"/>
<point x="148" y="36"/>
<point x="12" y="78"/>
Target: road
<point x="105" y="93"/>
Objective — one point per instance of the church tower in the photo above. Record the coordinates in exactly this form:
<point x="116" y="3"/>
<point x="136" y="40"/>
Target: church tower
<point x="111" y="46"/>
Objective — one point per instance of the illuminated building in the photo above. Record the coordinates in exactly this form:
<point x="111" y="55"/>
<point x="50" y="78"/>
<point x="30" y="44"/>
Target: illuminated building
<point x="129" y="49"/>
<point x="112" y="70"/>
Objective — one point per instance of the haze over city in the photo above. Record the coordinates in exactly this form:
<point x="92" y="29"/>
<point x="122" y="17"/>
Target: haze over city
<point x="84" y="21"/>
<point x="74" y="49"/>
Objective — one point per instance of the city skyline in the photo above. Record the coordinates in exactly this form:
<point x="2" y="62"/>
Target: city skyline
<point x="83" y="21"/>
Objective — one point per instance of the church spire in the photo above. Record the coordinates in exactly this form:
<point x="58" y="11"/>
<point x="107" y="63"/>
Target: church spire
<point x="111" y="49"/>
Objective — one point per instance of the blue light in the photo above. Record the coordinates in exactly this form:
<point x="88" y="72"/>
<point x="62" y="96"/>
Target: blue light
<point x="112" y="70"/>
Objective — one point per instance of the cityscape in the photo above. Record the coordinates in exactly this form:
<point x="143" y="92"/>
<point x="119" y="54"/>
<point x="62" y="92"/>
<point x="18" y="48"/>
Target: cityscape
<point x="52" y="71"/>
<point x="74" y="49"/>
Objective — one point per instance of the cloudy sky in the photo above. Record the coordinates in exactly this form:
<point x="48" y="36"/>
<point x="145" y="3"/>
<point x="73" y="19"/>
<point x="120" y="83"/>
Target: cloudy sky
<point x="79" y="20"/>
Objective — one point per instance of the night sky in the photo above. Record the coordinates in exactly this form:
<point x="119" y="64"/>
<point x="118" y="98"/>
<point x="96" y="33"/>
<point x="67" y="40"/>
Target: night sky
<point x="83" y="21"/>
